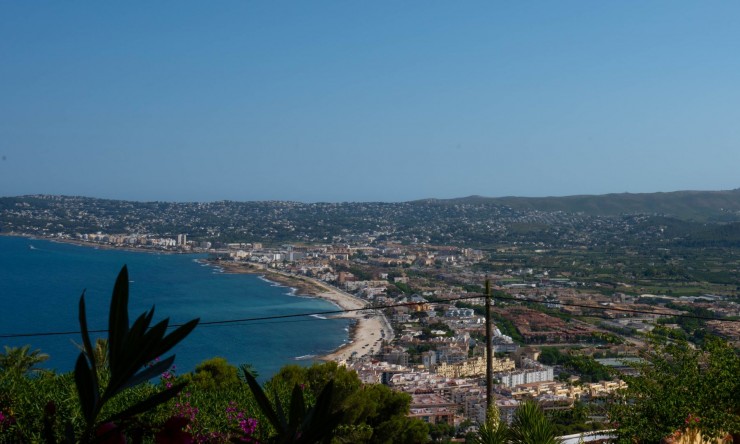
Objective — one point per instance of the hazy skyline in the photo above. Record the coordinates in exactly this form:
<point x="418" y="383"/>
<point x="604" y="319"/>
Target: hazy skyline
<point x="374" y="101"/>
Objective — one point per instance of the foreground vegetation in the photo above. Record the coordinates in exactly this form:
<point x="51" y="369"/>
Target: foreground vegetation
<point x="216" y="406"/>
<point x="681" y="390"/>
<point x="111" y="396"/>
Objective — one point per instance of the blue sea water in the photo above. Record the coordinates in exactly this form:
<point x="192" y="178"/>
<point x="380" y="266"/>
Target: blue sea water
<point x="41" y="283"/>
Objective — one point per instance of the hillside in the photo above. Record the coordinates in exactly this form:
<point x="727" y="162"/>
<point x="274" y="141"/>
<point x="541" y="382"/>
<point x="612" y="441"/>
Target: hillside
<point x="687" y="218"/>
<point x="688" y="205"/>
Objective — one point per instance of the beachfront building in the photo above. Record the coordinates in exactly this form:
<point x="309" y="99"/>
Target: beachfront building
<point x="473" y="367"/>
<point x="528" y="376"/>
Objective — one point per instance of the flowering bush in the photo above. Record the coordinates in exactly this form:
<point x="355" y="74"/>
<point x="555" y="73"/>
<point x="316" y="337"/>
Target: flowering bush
<point x="246" y="426"/>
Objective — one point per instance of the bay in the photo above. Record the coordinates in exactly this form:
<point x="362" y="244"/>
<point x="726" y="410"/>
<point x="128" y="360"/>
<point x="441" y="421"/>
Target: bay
<point x="41" y="282"/>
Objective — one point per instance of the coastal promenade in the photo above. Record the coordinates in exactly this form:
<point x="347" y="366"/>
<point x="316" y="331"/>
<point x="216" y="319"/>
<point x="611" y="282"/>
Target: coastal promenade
<point x="371" y="326"/>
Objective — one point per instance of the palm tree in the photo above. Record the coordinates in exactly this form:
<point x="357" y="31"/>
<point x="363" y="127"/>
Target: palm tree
<point x="21" y="360"/>
<point x="530" y="426"/>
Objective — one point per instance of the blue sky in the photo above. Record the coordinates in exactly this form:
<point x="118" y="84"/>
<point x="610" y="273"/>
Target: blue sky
<point x="367" y="101"/>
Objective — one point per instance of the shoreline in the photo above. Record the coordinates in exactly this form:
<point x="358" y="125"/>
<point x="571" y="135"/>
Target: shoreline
<point x="95" y="245"/>
<point x="365" y="335"/>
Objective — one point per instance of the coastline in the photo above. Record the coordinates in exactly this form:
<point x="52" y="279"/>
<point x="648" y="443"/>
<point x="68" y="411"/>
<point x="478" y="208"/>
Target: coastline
<point x="366" y="333"/>
<point x="95" y="245"/>
<point x="365" y="336"/>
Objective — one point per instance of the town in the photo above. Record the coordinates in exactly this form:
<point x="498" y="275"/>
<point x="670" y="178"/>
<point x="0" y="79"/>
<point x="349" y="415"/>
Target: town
<point x="574" y="295"/>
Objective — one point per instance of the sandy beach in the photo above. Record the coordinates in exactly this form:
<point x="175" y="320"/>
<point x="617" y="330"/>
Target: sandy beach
<point x="365" y="336"/>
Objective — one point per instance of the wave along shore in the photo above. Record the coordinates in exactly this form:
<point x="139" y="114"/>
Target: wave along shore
<point x="365" y="332"/>
<point x="365" y="335"/>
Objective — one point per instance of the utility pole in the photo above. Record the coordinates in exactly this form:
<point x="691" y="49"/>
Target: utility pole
<point x="489" y="350"/>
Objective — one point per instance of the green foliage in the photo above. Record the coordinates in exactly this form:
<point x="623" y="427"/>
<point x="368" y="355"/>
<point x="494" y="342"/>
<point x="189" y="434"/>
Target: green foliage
<point x="212" y="374"/>
<point x="249" y="368"/>
<point x="298" y="424"/>
<point x="531" y="426"/>
<point x="677" y="382"/>
<point x="130" y="348"/>
<point x="109" y="381"/>
<point x="315" y="377"/>
<point x="25" y="399"/>
<point x="574" y="420"/>
<point x="494" y="431"/>
<point x="441" y="432"/>
<point x="365" y="413"/>
<point x="351" y="434"/>
<point x="100" y="354"/>
<point x="381" y="408"/>
<point x="587" y="367"/>
<point x="694" y="328"/>
<point x="426" y="332"/>
<point x="21" y="360"/>
<point x="400" y="430"/>
<point x="507" y="327"/>
<point x="609" y="338"/>
<point x="405" y="288"/>
<point x="366" y="407"/>
<point x="473" y="288"/>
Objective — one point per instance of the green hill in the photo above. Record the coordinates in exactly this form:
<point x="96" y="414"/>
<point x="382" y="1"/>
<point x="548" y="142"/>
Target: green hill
<point x="689" y="205"/>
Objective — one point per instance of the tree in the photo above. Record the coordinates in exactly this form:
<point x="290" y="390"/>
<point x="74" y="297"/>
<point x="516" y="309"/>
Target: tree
<point x="214" y="373"/>
<point x="301" y="424"/>
<point x="678" y="384"/>
<point x="386" y="412"/>
<point x="21" y="360"/>
<point x="315" y="378"/>
<point x="371" y="408"/>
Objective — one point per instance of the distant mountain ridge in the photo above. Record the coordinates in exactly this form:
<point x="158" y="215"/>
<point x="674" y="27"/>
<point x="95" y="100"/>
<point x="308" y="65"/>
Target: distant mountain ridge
<point x="689" y="205"/>
<point x="716" y="206"/>
<point x="688" y="218"/>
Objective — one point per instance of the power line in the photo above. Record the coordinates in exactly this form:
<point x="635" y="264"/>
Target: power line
<point x="378" y="307"/>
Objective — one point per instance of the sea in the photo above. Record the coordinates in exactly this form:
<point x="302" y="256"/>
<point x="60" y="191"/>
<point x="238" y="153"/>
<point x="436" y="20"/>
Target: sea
<point x="41" y="282"/>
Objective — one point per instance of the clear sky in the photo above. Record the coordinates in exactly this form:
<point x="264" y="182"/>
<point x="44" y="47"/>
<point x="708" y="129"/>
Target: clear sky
<point x="367" y="101"/>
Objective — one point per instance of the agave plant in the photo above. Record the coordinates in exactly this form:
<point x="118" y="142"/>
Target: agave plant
<point x="130" y="349"/>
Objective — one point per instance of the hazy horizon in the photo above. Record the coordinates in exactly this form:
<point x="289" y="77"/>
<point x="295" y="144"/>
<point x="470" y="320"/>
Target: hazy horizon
<point x="378" y="102"/>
